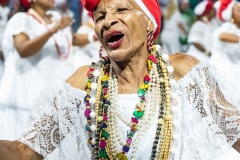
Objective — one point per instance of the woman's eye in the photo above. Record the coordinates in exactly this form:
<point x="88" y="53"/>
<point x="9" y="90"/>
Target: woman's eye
<point x="99" y="18"/>
<point x="121" y="9"/>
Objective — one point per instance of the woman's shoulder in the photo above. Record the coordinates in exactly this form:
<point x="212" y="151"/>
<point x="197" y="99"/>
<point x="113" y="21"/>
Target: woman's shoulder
<point x="198" y="24"/>
<point x="79" y="78"/>
<point x="182" y="64"/>
<point x="19" y="16"/>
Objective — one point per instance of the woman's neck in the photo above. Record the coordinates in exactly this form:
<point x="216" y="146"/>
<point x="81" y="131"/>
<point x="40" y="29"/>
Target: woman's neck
<point x="42" y="13"/>
<point x="237" y="24"/>
<point x="131" y="74"/>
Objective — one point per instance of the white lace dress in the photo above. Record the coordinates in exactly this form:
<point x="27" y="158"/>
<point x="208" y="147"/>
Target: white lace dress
<point x="207" y="120"/>
<point x="226" y="56"/>
<point x="24" y="78"/>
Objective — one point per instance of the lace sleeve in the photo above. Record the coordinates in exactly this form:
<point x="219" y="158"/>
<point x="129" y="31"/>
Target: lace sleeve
<point x="209" y="113"/>
<point x="54" y="127"/>
<point x="221" y="102"/>
<point x="224" y="102"/>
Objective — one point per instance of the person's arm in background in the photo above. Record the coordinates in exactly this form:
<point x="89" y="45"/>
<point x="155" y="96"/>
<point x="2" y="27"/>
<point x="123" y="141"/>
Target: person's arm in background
<point x="231" y="38"/>
<point x="182" y="28"/>
<point x="84" y="39"/>
<point x="27" y="47"/>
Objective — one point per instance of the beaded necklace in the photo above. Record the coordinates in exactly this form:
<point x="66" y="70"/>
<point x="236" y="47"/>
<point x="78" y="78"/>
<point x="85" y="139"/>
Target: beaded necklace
<point x="101" y="124"/>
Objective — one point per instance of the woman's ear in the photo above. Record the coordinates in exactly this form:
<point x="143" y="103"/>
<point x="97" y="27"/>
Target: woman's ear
<point x="150" y="26"/>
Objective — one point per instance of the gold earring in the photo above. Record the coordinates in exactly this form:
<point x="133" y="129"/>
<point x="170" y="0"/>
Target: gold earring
<point x="150" y="26"/>
<point x="232" y="20"/>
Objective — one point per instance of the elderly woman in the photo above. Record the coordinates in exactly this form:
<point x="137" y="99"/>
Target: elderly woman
<point x="193" y="118"/>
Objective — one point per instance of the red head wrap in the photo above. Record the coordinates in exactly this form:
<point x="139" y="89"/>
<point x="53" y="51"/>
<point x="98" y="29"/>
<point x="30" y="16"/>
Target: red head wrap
<point x="151" y="5"/>
<point x="225" y="6"/>
<point x="3" y="1"/>
<point x="26" y="4"/>
<point x="204" y="7"/>
<point x="208" y="7"/>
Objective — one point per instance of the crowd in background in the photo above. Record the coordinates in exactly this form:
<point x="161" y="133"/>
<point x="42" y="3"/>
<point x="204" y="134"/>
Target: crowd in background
<point x="37" y="50"/>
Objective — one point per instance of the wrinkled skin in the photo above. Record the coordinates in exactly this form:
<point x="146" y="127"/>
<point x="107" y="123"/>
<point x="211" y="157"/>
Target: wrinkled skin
<point x="124" y="16"/>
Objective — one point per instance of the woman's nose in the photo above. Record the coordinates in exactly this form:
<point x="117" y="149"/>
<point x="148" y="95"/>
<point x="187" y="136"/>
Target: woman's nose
<point x="109" y="21"/>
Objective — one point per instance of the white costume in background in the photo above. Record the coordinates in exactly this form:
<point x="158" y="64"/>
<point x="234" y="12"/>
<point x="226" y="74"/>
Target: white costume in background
<point x="4" y="11"/>
<point x="24" y="78"/>
<point x="68" y="13"/>
<point x="171" y="33"/>
<point x="87" y="54"/>
<point x="206" y="119"/>
<point x="226" y="56"/>
<point x="200" y="33"/>
<point x="85" y="17"/>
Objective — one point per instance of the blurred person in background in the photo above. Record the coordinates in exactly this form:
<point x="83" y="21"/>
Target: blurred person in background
<point x="62" y="7"/>
<point x="87" y="54"/>
<point x="188" y="18"/>
<point x="173" y="26"/>
<point x="1" y="64"/>
<point x="16" y="7"/>
<point x="226" y="39"/>
<point x="216" y="21"/>
<point x="194" y="3"/>
<point x="37" y="47"/>
<point x="200" y="35"/>
<point x="4" y="11"/>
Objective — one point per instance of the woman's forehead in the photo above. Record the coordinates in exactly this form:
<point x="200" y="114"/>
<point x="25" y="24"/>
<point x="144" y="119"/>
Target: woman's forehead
<point x="113" y="4"/>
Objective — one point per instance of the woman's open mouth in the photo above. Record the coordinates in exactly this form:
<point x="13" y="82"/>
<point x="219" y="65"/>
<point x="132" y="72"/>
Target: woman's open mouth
<point x="114" y="39"/>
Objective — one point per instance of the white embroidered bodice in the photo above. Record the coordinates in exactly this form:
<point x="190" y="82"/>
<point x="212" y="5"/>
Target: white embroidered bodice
<point x="207" y="120"/>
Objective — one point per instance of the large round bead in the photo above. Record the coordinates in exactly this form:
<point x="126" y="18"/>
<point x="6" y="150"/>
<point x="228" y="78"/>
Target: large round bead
<point x="158" y="48"/>
<point x="170" y="69"/>
<point x="92" y="100"/>
<point x="93" y="141"/>
<point x="165" y="57"/>
<point x="94" y="86"/>
<point x="92" y="114"/>
<point x="100" y="119"/>
<point x="172" y="82"/>
<point x="96" y="73"/>
<point x="93" y="128"/>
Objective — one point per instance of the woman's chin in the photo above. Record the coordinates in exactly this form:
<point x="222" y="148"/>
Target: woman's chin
<point x="118" y="55"/>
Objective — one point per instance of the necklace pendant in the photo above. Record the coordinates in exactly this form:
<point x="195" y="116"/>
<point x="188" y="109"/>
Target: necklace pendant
<point x="121" y="156"/>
